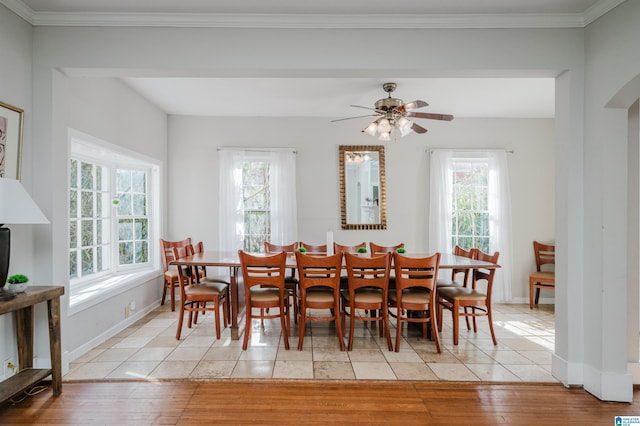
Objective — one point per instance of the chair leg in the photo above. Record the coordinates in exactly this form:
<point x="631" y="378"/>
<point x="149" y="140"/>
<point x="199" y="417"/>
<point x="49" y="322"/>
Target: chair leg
<point x="172" y="295"/>
<point x="247" y="328"/>
<point x="302" y="322"/>
<point x="164" y="292"/>
<point x="434" y="331"/>
<point x="339" y="327"/>
<point x="352" y="327"/>
<point x="456" y="320"/>
<point x="537" y="294"/>
<point x="530" y="294"/>
<point x="398" y="330"/>
<point x="180" y="319"/>
<point x="216" y="311"/>
<point x="493" y="335"/>
<point x="284" y="319"/>
<point x="466" y="318"/>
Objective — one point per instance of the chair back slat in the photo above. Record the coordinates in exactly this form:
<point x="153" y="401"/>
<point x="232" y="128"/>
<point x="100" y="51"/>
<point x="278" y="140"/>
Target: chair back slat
<point x="339" y="248"/>
<point x="319" y="271"/>
<point x="545" y="254"/>
<point x="368" y="271"/>
<point x="313" y="248"/>
<point x="166" y="249"/>
<point x="265" y="271"/>
<point x="416" y="272"/>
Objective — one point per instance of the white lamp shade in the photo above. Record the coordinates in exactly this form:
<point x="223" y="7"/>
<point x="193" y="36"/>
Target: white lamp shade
<point x="384" y="136"/>
<point x="404" y="131"/>
<point x="16" y="205"/>
<point x="384" y="126"/>
<point x="371" y="129"/>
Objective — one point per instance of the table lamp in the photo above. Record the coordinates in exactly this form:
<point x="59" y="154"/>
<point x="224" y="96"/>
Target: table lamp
<point x="16" y="207"/>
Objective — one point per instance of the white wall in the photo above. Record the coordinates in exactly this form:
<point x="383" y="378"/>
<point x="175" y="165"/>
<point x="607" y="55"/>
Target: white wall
<point x="193" y="165"/>
<point x="107" y="109"/>
<point x="611" y="45"/>
<point x="15" y="89"/>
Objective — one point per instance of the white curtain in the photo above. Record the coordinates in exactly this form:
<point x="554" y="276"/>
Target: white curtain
<point x="282" y="178"/>
<point x="440" y="215"/>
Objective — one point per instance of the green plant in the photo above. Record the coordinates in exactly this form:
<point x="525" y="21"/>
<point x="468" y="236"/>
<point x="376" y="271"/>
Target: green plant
<point x="18" y="279"/>
<point x="362" y="250"/>
<point x="401" y="250"/>
<point x="302" y="249"/>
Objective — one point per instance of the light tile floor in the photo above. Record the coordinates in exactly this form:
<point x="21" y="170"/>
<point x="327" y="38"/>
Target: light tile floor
<point x="148" y="350"/>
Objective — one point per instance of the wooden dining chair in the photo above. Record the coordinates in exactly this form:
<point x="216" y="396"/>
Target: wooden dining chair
<point x="544" y="277"/>
<point x="368" y="286"/>
<point x="319" y="289"/>
<point x="264" y="288"/>
<point x="290" y="281"/>
<point x="477" y="300"/>
<point x="194" y="296"/>
<point x="414" y="297"/>
<point x="376" y="249"/>
<point x="313" y="248"/>
<point x="339" y="248"/>
<point x="170" y="272"/>
<point x="455" y="279"/>
<point x="199" y="275"/>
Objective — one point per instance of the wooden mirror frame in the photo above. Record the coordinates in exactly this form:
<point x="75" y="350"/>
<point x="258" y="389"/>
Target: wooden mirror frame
<point x="344" y="149"/>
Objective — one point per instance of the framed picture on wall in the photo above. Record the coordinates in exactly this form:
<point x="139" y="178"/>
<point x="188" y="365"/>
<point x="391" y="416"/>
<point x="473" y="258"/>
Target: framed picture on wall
<point x="11" y="123"/>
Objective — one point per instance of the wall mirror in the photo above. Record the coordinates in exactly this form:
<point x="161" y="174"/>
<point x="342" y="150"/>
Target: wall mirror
<point x="363" y="198"/>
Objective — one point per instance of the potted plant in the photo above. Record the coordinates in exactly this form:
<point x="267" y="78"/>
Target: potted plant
<point x="18" y="282"/>
<point x="302" y="249"/>
<point x="401" y="250"/>
<point x="362" y="251"/>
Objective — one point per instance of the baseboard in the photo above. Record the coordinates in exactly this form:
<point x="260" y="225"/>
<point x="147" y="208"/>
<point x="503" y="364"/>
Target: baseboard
<point x="70" y="356"/>
<point x="608" y="386"/>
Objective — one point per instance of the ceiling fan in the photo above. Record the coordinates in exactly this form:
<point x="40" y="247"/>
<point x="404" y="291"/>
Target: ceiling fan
<point x="394" y="114"/>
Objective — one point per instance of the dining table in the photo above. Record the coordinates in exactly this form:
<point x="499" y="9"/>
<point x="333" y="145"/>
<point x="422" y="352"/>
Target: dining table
<point x="231" y="260"/>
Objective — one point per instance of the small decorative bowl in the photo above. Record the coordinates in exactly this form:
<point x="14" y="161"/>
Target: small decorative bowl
<point x="18" y="288"/>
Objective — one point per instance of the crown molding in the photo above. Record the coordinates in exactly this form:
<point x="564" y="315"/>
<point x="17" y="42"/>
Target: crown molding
<point x="310" y="21"/>
<point x="318" y="21"/>
<point x="599" y="9"/>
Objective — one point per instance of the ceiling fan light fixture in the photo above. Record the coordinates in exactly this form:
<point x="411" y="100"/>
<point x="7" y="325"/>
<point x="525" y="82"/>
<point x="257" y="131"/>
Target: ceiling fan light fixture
<point x="403" y="122"/>
<point x="405" y="130"/>
<point x="371" y="129"/>
<point x="385" y="136"/>
<point x="384" y="126"/>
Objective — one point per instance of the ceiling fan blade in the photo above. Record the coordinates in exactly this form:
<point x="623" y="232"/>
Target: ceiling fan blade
<point x="364" y="107"/>
<point x="418" y="129"/>
<point x="351" y="118"/>
<point x="411" y="105"/>
<point x="445" y="117"/>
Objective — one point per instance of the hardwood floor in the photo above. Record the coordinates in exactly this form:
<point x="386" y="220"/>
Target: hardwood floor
<point x="191" y="402"/>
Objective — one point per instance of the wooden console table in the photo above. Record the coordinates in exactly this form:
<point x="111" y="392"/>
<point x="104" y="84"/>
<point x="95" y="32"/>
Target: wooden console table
<point x="23" y="306"/>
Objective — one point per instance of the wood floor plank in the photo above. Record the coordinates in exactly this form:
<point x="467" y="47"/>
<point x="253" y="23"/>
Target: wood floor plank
<point x="313" y="403"/>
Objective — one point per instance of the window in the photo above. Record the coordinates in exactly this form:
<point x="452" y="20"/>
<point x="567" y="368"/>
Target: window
<point x="469" y="205"/>
<point x="112" y="217"/>
<point x="256" y="205"/>
<point x="257" y="198"/>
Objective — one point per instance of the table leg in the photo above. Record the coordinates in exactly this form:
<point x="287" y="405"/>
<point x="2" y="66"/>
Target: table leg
<point x="53" y="307"/>
<point x="24" y="333"/>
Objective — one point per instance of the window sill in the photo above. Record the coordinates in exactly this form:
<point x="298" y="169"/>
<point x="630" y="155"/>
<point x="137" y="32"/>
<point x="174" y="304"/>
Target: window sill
<point x="86" y="295"/>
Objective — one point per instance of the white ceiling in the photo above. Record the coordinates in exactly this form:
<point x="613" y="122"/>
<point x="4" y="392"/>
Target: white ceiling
<point x="330" y="97"/>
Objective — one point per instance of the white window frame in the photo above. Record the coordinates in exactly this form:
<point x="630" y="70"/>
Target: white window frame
<point x="88" y="291"/>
